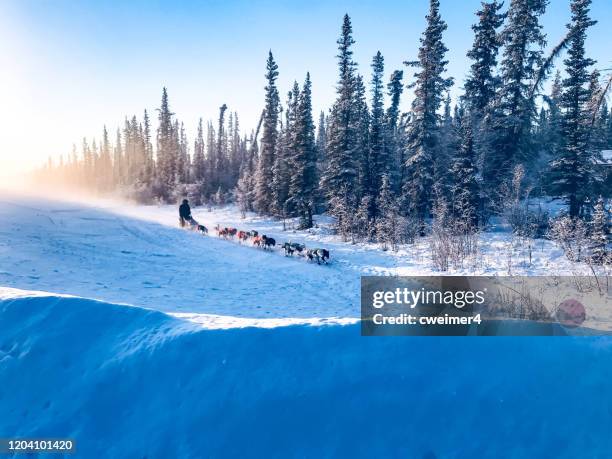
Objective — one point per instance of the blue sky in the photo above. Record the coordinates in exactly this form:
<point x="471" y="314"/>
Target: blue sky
<point x="72" y="66"/>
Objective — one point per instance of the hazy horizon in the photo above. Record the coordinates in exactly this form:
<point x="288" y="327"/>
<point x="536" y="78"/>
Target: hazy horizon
<point x="74" y="67"/>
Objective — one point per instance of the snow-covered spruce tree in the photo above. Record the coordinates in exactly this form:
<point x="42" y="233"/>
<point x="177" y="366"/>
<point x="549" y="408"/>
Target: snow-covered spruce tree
<point x="263" y="180"/>
<point x="378" y="161"/>
<point x="339" y="180"/>
<point x="465" y="190"/>
<point x="304" y="180"/>
<point x="392" y="150"/>
<point x="481" y="86"/>
<point x="423" y="134"/>
<point x="599" y="234"/>
<point x="510" y="120"/>
<point x="572" y="169"/>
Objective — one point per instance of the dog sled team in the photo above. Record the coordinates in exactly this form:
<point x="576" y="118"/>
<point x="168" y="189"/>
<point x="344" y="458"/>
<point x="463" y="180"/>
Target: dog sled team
<point x="262" y="241"/>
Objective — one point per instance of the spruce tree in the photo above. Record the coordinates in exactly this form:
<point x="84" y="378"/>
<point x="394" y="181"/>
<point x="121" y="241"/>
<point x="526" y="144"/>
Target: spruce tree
<point x="510" y="124"/>
<point x="339" y="180"/>
<point x="482" y="81"/>
<point x="285" y="149"/>
<point x="263" y="182"/>
<point x="304" y="178"/>
<point x="166" y="150"/>
<point x="465" y="189"/>
<point x="393" y="150"/>
<point x="378" y="161"/>
<point x="423" y="136"/>
<point x="572" y="169"/>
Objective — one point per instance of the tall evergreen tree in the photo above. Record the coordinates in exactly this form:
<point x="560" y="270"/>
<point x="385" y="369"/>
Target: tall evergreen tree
<point x="263" y="180"/>
<point x="304" y="179"/>
<point x="482" y="81"/>
<point x="465" y="190"/>
<point x="572" y="170"/>
<point x="378" y="161"/>
<point x="166" y="152"/>
<point x="510" y="139"/>
<point x="339" y="180"/>
<point x="423" y="135"/>
<point x="393" y="152"/>
<point x="285" y="148"/>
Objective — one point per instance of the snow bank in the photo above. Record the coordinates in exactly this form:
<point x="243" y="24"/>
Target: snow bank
<point x="129" y="382"/>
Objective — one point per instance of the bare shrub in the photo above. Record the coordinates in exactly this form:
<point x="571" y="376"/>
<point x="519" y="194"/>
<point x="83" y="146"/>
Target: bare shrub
<point x="571" y="234"/>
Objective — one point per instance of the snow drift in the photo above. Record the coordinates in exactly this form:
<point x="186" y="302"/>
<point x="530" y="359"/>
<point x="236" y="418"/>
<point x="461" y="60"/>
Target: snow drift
<point x="130" y="382"/>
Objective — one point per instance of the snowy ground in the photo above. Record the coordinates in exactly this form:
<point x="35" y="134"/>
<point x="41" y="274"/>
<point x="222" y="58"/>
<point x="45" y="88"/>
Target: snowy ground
<point x="99" y="252"/>
<point x="236" y="352"/>
<point x="137" y="255"/>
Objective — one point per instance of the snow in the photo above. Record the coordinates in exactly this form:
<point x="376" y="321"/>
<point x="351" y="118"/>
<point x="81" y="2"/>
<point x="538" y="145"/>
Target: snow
<point x="97" y="252"/>
<point x="138" y="339"/>
<point x="135" y="254"/>
<point x="130" y="382"/>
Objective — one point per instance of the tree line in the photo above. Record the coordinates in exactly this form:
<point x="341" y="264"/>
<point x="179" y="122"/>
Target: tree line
<point x="386" y="175"/>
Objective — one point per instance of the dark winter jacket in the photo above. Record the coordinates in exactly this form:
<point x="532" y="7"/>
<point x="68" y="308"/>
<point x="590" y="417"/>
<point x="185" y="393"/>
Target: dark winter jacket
<point x="185" y="211"/>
